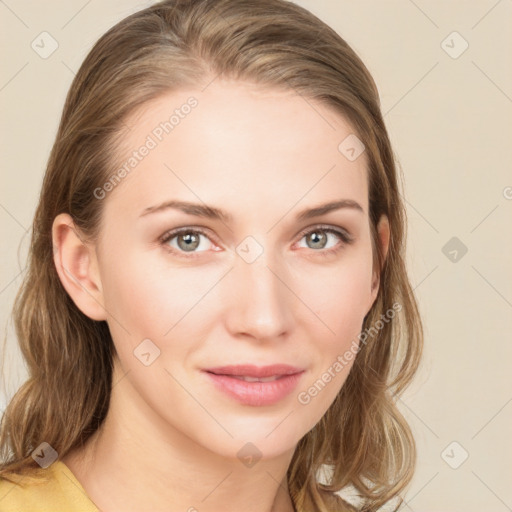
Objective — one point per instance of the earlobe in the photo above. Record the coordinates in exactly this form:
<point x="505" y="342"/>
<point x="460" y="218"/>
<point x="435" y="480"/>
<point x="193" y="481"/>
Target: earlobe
<point x="76" y="265"/>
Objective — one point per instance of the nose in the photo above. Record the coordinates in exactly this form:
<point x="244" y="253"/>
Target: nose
<point x="260" y="305"/>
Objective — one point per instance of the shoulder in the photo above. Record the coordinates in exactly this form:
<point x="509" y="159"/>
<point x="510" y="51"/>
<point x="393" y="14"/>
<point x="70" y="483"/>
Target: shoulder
<point x="58" y="490"/>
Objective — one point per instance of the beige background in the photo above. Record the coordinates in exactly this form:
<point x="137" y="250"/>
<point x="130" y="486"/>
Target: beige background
<point x="450" y="123"/>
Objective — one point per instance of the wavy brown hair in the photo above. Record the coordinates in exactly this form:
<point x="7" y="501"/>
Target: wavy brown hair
<point x="363" y="438"/>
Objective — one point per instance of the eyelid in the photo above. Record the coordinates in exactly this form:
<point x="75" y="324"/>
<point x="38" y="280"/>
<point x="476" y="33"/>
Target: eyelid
<point x="337" y="230"/>
<point x="343" y="234"/>
<point x="172" y="233"/>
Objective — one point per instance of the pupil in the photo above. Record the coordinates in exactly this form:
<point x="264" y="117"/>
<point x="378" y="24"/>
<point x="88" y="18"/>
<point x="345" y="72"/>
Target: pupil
<point x="316" y="238"/>
<point x="189" y="241"/>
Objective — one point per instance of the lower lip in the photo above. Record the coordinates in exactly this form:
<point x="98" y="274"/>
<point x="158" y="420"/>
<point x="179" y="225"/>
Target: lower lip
<point x="256" y="393"/>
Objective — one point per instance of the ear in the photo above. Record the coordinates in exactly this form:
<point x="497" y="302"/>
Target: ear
<point x="383" y="235"/>
<point x="77" y="267"/>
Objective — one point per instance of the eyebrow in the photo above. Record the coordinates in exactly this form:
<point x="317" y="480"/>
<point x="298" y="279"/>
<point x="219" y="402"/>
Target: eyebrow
<point x="211" y="212"/>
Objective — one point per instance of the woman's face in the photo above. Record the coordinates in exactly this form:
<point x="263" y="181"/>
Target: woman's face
<point x="248" y="286"/>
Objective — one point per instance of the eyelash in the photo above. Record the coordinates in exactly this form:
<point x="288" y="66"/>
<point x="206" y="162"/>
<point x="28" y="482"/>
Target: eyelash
<point x="344" y="236"/>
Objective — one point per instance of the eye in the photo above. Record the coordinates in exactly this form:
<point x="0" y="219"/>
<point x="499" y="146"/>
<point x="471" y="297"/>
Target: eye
<point x="317" y="239"/>
<point x="188" y="240"/>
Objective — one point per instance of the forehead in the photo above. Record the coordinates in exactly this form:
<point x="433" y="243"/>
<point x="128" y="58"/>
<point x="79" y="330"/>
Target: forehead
<point x="239" y="142"/>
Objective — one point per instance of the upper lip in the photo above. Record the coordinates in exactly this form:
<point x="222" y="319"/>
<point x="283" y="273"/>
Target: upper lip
<point x="250" y="370"/>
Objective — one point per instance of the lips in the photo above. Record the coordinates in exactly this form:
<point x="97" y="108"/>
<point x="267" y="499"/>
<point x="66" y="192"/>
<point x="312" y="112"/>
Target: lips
<point x="246" y="378"/>
<point x="253" y="385"/>
<point x="257" y="372"/>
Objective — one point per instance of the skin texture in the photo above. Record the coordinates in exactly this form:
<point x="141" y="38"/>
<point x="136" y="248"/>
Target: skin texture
<point x="170" y="439"/>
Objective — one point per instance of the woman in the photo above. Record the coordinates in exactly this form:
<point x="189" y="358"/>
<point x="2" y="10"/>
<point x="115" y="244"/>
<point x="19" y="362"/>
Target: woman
<point x="216" y="313"/>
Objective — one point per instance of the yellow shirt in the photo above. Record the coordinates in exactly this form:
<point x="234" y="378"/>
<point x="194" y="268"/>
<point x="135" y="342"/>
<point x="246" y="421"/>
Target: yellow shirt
<point x="60" y="493"/>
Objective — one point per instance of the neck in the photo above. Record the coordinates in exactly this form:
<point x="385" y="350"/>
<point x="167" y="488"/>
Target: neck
<point x="136" y="462"/>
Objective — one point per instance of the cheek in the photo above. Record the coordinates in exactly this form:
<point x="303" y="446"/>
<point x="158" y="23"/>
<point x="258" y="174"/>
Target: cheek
<point x="340" y="300"/>
<point x="150" y="297"/>
<point x="338" y="295"/>
<point x="335" y="338"/>
<point x="131" y="293"/>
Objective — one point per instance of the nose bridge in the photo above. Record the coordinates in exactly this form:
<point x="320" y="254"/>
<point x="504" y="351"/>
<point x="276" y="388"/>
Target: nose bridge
<point x="262" y="302"/>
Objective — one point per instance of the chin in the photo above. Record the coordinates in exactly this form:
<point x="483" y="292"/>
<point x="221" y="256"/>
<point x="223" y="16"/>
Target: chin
<point x="264" y="438"/>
